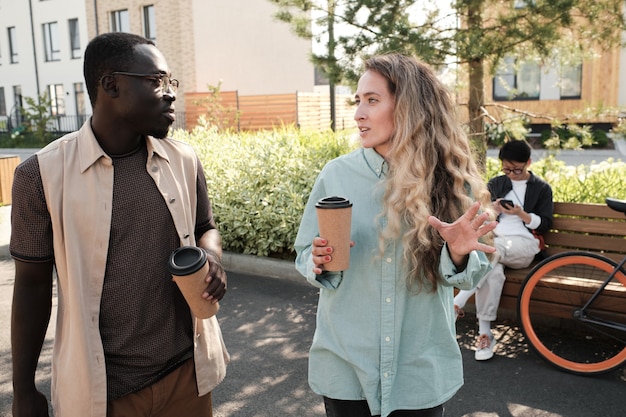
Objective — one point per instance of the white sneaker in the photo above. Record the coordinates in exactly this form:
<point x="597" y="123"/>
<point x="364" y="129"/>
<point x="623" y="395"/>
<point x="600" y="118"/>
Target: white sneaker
<point x="484" y="349"/>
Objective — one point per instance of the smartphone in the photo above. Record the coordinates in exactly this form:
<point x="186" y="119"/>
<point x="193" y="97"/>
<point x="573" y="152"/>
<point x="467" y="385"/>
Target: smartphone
<point x="507" y="204"/>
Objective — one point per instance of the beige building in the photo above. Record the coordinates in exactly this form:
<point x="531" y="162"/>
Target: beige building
<point x="237" y="43"/>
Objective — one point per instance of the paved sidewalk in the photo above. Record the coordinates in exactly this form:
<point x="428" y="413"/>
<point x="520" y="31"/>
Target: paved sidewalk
<point x="268" y="320"/>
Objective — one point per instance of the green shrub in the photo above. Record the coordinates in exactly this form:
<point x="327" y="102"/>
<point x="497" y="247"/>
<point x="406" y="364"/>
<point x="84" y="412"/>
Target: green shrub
<point x="600" y="138"/>
<point x="259" y="182"/>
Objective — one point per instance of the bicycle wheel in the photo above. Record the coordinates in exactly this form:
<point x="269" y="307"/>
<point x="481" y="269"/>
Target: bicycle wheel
<point x="550" y="301"/>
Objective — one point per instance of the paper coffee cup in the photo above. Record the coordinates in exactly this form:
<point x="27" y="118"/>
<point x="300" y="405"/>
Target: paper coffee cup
<point x="189" y="268"/>
<point x="334" y="218"/>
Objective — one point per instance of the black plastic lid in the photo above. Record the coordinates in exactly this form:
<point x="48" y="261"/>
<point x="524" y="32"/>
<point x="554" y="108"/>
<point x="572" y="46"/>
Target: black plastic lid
<point x="186" y="260"/>
<point x="333" y="202"/>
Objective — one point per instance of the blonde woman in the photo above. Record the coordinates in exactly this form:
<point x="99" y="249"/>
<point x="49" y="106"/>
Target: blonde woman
<point x="385" y="341"/>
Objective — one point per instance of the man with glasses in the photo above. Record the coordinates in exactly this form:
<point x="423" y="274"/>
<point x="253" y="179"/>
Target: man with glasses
<point x="106" y="206"/>
<point x="524" y="206"/>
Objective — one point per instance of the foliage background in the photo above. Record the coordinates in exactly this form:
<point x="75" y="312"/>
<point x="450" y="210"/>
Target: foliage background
<point x="259" y="182"/>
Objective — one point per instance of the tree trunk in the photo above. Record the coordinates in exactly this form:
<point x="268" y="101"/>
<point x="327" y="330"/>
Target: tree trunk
<point x="474" y="107"/>
<point x="476" y="85"/>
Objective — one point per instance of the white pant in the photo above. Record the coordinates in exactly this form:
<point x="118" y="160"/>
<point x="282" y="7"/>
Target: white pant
<point x="512" y="251"/>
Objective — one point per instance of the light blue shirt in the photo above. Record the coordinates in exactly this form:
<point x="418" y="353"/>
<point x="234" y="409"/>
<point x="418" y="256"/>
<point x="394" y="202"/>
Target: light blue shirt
<point x="375" y="339"/>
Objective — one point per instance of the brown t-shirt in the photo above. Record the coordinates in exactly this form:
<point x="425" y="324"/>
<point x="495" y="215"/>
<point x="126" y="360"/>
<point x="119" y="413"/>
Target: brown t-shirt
<point x="145" y="323"/>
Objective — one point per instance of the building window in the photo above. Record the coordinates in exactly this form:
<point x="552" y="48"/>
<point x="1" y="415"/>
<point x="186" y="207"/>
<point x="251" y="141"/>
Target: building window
<point x="51" y="41"/>
<point x="119" y="21"/>
<point x="57" y="99"/>
<point x="79" y="96"/>
<point x="3" y="103"/>
<point x="17" y="97"/>
<point x="74" y="38"/>
<point x="517" y="81"/>
<point x="571" y="81"/>
<point x="18" y="105"/>
<point x="13" y="45"/>
<point x="149" y="23"/>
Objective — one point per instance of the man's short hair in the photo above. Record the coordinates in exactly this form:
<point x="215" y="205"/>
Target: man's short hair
<point x="107" y="53"/>
<point x="515" y="150"/>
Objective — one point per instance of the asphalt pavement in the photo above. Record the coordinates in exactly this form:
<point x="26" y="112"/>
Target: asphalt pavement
<point x="268" y="320"/>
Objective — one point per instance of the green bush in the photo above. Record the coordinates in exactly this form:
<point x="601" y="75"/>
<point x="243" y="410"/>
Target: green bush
<point x="259" y="182"/>
<point x="574" y="136"/>
<point x="576" y="184"/>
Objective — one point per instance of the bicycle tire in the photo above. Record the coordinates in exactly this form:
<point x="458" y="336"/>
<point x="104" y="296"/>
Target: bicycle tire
<point x="546" y="307"/>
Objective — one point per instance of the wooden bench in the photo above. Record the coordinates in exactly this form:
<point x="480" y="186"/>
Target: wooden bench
<point x="577" y="226"/>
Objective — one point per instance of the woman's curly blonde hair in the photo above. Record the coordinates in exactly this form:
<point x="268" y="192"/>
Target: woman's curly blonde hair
<point x="431" y="166"/>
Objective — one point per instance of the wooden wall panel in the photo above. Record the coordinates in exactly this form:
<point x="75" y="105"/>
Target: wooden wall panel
<point x="257" y="112"/>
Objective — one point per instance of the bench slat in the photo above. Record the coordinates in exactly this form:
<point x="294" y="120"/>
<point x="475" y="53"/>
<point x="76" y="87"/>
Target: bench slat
<point x="587" y="210"/>
<point x="580" y="225"/>
<point x="587" y="242"/>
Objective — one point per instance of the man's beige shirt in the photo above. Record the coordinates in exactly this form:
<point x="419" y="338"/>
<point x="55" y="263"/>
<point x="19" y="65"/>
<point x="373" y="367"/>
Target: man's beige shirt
<point x="77" y="173"/>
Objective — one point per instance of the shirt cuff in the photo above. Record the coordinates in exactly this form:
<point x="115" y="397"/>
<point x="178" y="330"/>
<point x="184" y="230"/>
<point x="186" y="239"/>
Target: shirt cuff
<point x="477" y="266"/>
<point x="328" y="279"/>
<point x="535" y="221"/>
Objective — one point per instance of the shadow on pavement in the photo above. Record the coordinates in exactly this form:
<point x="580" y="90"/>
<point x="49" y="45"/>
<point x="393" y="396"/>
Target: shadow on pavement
<point x="518" y="383"/>
<point x="268" y="326"/>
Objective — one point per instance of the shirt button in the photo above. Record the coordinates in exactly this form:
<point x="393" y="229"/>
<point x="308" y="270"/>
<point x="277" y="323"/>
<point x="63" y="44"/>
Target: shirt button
<point x="155" y="168"/>
<point x="387" y="339"/>
<point x="388" y="260"/>
<point x="388" y="299"/>
<point x="386" y="375"/>
<point x="172" y="200"/>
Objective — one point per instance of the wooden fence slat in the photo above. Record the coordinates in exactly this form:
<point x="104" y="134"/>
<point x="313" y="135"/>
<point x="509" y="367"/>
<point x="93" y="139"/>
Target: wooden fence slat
<point x="256" y="112"/>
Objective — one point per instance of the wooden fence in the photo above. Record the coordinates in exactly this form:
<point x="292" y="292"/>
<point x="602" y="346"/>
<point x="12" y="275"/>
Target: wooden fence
<point x="259" y="112"/>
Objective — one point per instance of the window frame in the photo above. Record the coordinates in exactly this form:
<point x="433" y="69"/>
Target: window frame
<point x="79" y="98"/>
<point x="13" y="54"/>
<point x="578" y="68"/>
<point x="119" y="20"/>
<point x="52" y="51"/>
<point x="149" y="22"/>
<point x="74" y="33"/>
<point x="56" y="94"/>
<point x="514" y="73"/>
<point x="3" y="102"/>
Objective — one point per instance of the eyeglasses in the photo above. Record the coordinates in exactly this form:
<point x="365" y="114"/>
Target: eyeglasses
<point x="161" y="80"/>
<point x="515" y="171"/>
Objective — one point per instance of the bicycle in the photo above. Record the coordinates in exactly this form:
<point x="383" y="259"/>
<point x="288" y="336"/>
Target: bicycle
<point x="581" y="325"/>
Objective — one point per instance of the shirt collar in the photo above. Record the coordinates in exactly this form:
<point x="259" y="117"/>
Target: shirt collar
<point x="90" y="151"/>
<point x="376" y="162"/>
<point x="155" y="146"/>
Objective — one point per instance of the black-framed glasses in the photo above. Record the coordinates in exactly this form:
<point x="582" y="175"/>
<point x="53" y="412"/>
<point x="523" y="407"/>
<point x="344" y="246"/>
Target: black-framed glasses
<point x="515" y="171"/>
<point x="163" y="80"/>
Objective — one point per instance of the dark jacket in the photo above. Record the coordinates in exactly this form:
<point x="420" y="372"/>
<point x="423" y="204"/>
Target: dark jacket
<point x="538" y="198"/>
